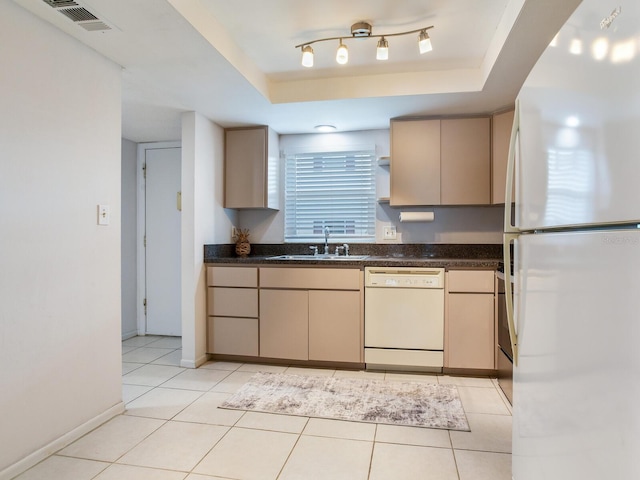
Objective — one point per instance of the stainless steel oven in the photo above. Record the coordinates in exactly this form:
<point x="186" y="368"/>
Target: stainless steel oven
<point x="505" y="353"/>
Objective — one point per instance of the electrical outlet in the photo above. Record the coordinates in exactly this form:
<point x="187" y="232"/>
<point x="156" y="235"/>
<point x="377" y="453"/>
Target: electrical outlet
<point x="389" y="232"/>
<point x="234" y="231"/>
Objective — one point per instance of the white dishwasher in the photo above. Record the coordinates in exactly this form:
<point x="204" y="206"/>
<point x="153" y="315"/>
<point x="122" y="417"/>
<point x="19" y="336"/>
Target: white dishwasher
<point x="404" y="318"/>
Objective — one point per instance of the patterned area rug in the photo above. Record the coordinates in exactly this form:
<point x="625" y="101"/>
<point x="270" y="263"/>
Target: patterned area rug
<point x="360" y="400"/>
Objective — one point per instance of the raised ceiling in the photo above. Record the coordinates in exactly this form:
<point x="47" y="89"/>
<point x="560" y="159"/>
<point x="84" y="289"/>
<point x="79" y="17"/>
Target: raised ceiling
<point x="235" y="62"/>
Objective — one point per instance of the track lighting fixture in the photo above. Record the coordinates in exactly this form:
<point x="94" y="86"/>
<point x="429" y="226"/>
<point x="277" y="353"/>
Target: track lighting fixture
<point x="363" y="29"/>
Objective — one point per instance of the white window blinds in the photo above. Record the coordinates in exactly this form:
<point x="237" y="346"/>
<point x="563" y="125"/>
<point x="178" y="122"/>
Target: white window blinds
<point x="335" y="190"/>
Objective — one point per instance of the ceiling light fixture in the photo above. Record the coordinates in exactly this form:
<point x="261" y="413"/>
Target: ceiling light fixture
<point x="325" y="128"/>
<point x="360" y="30"/>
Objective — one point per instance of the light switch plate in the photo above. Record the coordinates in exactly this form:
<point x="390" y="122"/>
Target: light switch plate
<point x="104" y="215"/>
<point x="389" y="232"/>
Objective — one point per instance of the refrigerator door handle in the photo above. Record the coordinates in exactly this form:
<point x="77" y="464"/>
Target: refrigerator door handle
<point x="508" y="293"/>
<point x="511" y="165"/>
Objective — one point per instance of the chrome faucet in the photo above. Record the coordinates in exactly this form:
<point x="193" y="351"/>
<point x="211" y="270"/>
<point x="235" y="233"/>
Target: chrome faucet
<point x="344" y="248"/>
<point x="326" y="240"/>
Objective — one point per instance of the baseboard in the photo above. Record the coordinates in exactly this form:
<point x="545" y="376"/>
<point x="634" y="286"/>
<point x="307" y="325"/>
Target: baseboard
<point x="129" y="334"/>
<point x="470" y="372"/>
<point x="61" y="442"/>
<point x="193" y="364"/>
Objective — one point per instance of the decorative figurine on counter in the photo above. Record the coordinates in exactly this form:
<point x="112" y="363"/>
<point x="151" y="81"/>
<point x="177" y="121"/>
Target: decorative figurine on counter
<point x="243" y="247"/>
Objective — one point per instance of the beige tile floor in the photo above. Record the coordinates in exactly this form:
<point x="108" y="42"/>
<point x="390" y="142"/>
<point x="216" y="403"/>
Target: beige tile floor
<point x="172" y="430"/>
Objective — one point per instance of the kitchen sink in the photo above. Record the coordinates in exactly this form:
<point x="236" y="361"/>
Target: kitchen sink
<point x="319" y="257"/>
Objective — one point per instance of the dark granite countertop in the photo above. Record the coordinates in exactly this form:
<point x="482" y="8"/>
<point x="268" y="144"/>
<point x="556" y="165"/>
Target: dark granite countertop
<point x="394" y="255"/>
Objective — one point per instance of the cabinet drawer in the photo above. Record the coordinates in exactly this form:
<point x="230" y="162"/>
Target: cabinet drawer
<point x="232" y="277"/>
<point x="232" y="336"/>
<point x="232" y="302"/>
<point x="479" y="281"/>
<point x="311" y="278"/>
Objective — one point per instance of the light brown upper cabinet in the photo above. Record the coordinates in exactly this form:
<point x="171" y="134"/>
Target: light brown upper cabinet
<point x="251" y="168"/>
<point x="501" y="133"/>
<point x="415" y="162"/>
<point x="465" y="161"/>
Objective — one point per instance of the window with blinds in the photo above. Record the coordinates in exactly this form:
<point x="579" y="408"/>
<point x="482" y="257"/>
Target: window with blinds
<point x="335" y="190"/>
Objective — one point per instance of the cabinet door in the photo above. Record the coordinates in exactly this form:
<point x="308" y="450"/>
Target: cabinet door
<point x="500" y="133"/>
<point x="470" y="324"/>
<point x="232" y="336"/>
<point x="334" y="326"/>
<point x="245" y="165"/>
<point x="465" y="161"/>
<point x="284" y="324"/>
<point x="415" y="162"/>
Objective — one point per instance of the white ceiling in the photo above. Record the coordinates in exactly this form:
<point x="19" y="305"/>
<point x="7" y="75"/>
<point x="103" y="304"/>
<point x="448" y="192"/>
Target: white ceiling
<point x="235" y="61"/>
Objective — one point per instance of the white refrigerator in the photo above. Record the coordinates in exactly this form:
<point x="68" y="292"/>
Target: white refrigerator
<point x="573" y="230"/>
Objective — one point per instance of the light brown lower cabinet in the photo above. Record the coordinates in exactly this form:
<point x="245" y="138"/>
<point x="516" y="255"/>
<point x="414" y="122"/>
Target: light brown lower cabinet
<point x="233" y="336"/>
<point x="293" y="314"/>
<point x="470" y="322"/>
<point x="471" y="331"/>
<point x="284" y="324"/>
<point x="334" y="326"/>
<point x="232" y="310"/>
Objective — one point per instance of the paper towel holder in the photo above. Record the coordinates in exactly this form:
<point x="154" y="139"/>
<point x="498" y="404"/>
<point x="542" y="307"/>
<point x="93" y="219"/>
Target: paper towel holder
<point x="416" y="216"/>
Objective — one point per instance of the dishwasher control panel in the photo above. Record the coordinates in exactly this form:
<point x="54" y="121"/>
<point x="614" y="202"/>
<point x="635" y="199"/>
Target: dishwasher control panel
<point x="404" y="277"/>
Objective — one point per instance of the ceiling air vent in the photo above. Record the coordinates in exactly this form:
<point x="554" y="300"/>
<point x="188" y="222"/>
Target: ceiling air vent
<point x="61" y="3"/>
<point x="79" y="15"/>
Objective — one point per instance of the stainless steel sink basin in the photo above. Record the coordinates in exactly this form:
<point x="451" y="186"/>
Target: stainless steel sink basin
<point x="319" y="257"/>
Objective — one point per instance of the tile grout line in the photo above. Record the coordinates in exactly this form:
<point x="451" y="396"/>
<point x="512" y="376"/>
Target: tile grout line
<point x="373" y="448"/>
<point x="284" y="464"/>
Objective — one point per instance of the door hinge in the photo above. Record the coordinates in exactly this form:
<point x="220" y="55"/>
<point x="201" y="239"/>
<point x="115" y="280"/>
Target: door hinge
<point x="144" y="303"/>
<point x="144" y="170"/>
<point x="144" y="241"/>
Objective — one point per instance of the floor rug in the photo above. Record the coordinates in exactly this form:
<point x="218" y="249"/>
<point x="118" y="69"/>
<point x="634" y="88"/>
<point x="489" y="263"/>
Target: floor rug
<point x="360" y="400"/>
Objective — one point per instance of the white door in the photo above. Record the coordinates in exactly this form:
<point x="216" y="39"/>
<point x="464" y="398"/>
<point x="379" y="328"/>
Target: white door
<point x="162" y="252"/>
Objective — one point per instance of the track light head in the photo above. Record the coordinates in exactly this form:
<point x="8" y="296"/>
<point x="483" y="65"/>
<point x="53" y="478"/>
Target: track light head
<point x="307" y="56"/>
<point x="424" y="42"/>
<point x="342" y="55"/>
<point x="382" y="52"/>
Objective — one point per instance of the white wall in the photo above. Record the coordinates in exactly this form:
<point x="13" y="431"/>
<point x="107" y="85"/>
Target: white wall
<point x="128" y="238"/>
<point x="60" y="127"/>
<point x="204" y="221"/>
<point x="451" y="224"/>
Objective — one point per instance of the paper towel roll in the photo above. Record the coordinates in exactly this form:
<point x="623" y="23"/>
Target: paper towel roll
<point x="416" y="216"/>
